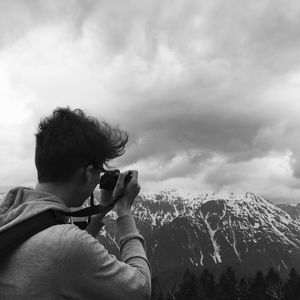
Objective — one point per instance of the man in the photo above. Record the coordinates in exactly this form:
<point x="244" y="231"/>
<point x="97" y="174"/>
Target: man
<point x="63" y="261"/>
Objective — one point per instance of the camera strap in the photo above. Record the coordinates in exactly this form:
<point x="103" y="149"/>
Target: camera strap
<point x="93" y="210"/>
<point x="16" y="235"/>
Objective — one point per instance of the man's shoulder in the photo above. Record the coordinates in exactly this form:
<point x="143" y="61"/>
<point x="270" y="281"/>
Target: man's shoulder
<point x="59" y="237"/>
<point x="66" y="233"/>
<point x="69" y="238"/>
<point x="72" y="244"/>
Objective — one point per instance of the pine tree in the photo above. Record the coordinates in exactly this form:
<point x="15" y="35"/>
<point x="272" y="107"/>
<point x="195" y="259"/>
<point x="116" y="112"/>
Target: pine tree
<point x="206" y="285"/>
<point x="274" y="289"/>
<point x="257" y="288"/>
<point x="194" y="287"/>
<point x="171" y="292"/>
<point x="227" y="285"/>
<point x="170" y="296"/>
<point x="292" y="287"/>
<point x="156" y="291"/>
<point x="188" y="287"/>
<point x="243" y="289"/>
<point x="160" y="295"/>
<point x="183" y="286"/>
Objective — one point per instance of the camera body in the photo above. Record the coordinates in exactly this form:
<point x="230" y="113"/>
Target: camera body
<point x="109" y="179"/>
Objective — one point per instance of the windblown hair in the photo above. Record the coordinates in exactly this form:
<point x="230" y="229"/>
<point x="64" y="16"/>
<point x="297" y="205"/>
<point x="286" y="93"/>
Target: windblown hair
<point x="69" y="139"/>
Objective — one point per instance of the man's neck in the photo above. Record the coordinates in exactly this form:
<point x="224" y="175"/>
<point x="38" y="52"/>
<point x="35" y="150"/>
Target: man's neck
<point x="58" y="190"/>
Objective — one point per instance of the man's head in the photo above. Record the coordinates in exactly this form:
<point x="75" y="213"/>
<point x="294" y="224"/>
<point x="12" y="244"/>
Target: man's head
<point x="70" y="145"/>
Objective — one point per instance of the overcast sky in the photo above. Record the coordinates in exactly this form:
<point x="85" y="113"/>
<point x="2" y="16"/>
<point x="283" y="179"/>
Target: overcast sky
<point x="209" y="91"/>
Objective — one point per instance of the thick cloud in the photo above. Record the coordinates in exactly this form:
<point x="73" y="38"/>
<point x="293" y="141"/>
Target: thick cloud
<point x="208" y="91"/>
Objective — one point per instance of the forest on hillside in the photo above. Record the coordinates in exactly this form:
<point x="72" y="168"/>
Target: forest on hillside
<point x="203" y="286"/>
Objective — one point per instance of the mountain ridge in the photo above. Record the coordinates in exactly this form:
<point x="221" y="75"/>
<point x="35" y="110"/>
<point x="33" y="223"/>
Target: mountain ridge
<point x="209" y="230"/>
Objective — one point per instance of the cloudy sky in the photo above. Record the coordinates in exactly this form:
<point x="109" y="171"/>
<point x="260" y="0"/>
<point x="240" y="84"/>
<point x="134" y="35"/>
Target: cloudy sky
<point x="209" y="91"/>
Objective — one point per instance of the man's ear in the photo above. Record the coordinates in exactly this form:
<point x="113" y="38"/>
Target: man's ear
<point x="84" y="174"/>
<point x="88" y="173"/>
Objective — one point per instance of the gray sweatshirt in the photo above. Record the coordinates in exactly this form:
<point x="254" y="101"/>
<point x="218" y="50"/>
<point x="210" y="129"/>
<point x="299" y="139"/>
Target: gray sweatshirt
<point x="64" y="262"/>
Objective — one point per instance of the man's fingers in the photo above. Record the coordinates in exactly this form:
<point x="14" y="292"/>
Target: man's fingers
<point x="134" y="177"/>
<point x="119" y="186"/>
<point x="106" y="197"/>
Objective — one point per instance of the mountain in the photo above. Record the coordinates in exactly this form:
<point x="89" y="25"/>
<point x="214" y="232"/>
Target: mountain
<point x="292" y="210"/>
<point x="246" y="232"/>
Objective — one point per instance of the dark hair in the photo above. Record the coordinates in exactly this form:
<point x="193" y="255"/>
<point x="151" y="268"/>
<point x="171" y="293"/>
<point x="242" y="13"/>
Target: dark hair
<point x="69" y="139"/>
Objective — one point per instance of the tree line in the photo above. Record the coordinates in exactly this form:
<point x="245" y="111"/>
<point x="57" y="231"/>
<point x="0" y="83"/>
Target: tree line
<point x="204" y="287"/>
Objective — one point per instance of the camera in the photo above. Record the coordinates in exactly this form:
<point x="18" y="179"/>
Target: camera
<point x="109" y="179"/>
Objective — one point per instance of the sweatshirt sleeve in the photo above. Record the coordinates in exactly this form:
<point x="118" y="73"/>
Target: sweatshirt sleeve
<point x="132" y="246"/>
<point x="88" y="271"/>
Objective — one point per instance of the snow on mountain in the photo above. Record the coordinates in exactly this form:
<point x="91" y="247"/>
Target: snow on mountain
<point x="248" y="213"/>
<point x="211" y="230"/>
<point x="292" y="210"/>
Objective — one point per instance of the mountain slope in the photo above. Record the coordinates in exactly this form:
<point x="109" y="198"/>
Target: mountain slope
<point x="292" y="210"/>
<point x="213" y="230"/>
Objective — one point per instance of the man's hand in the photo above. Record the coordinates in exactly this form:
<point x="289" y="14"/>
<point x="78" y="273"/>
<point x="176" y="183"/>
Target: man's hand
<point x="123" y="207"/>
<point x="106" y="197"/>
